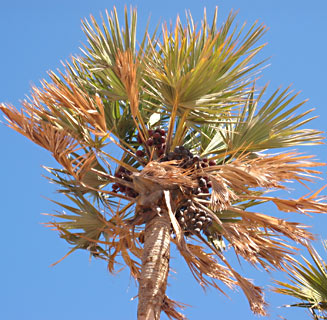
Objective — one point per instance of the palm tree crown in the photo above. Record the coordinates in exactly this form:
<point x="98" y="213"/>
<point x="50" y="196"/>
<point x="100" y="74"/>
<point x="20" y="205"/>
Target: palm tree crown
<point x="193" y="135"/>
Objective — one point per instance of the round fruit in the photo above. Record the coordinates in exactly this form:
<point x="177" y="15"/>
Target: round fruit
<point x="191" y="209"/>
<point x="171" y="155"/>
<point x="198" y="224"/>
<point x="212" y="163"/>
<point x="149" y="142"/>
<point x="177" y="150"/>
<point x="208" y="220"/>
<point x="140" y="153"/>
<point x="162" y="140"/>
<point x="205" y="190"/>
<point x="190" y="215"/>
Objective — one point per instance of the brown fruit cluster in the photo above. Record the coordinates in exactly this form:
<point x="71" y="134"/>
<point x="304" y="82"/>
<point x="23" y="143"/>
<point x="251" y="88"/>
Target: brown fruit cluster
<point x="180" y="153"/>
<point x="124" y="174"/>
<point x="157" y="139"/>
<point x="192" y="219"/>
<point x="204" y="186"/>
<point x="189" y="161"/>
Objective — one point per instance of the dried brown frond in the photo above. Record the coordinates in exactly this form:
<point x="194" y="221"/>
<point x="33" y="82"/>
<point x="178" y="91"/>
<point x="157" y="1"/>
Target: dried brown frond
<point x="286" y="167"/>
<point x="126" y="70"/>
<point x="166" y="175"/>
<point x="64" y="97"/>
<point x="231" y="180"/>
<point x="169" y="306"/>
<point x="291" y="230"/>
<point x="257" y="246"/>
<point x="221" y="195"/>
<point x="301" y="205"/>
<point x="200" y="263"/>
<point x="57" y="141"/>
<point x="121" y="240"/>
<point x="207" y="265"/>
<point x="253" y="293"/>
<point x="266" y="171"/>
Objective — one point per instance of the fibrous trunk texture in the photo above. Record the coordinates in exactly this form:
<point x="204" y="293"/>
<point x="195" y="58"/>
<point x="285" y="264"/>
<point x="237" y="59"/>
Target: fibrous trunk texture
<point x="155" y="267"/>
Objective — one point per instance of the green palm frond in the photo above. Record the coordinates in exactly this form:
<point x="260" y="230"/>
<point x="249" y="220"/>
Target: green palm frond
<point x="268" y="125"/>
<point x="196" y="70"/>
<point x="308" y="283"/>
<point x="208" y="70"/>
<point x="198" y="76"/>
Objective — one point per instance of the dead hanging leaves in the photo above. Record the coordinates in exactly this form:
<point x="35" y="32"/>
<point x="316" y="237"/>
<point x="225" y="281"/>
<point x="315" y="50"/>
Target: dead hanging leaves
<point x="204" y="267"/>
<point x="200" y="263"/>
<point x="254" y="236"/>
<point x="234" y="181"/>
<point x="169" y="306"/>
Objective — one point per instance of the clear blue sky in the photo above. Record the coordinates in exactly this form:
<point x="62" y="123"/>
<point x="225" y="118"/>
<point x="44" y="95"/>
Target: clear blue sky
<point x="34" y="37"/>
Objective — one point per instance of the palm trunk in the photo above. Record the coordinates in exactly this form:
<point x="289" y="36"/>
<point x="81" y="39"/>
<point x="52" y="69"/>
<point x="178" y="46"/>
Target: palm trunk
<point x="155" y="267"/>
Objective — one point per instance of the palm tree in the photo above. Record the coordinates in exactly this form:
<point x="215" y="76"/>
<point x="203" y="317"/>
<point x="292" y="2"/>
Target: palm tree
<point x="167" y="141"/>
<point x="308" y="284"/>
